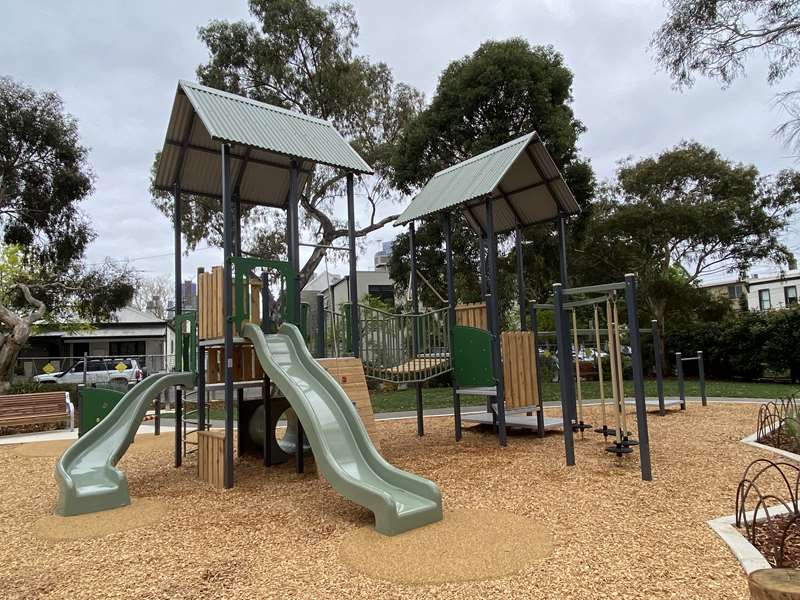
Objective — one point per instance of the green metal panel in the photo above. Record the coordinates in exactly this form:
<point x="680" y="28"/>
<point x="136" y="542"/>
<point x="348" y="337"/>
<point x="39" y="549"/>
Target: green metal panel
<point x="241" y="120"/>
<point x="186" y="341"/>
<point x="472" y="357"/>
<point x="304" y="310"/>
<point x="348" y="331"/>
<point x="523" y="193"/>
<point x="95" y="405"/>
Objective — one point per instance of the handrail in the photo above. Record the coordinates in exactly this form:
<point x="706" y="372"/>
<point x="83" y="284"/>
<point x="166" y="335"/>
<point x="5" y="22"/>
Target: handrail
<point x="388" y="349"/>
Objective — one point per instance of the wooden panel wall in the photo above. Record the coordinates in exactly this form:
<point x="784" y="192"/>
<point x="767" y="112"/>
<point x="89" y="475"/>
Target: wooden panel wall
<point x="245" y="365"/>
<point x="519" y="369"/>
<point x="210" y="457"/>
<point x="472" y="315"/>
<point x="210" y="316"/>
<point x="349" y="373"/>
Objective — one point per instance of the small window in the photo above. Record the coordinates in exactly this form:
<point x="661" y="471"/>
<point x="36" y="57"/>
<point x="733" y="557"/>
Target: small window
<point x="764" y="300"/>
<point x="734" y="291"/>
<point x="790" y="295"/>
<point x="77" y="367"/>
<point x="384" y="292"/>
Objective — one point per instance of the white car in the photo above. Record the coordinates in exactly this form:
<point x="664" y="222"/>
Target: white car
<point x="111" y="370"/>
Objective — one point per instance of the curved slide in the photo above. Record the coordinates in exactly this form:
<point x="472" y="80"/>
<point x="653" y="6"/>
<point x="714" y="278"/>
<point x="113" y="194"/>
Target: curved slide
<point x="342" y="450"/>
<point x="87" y="479"/>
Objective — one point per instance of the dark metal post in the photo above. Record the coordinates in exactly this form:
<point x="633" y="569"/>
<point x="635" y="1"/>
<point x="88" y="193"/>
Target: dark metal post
<point x="681" y="385"/>
<point x="412" y="248"/>
<point x="564" y="371"/>
<point x="227" y="310"/>
<point x="701" y="373"/>
<point x="157" y="421"/>
<point x="237" y="225"/>
<point x="447" y="225"/>
<point x="320" y="326"/>
<point x="266" y="384"/>
<point x="562" y="249"/>
<point x="520" y="277"/>
<point x="178" y="217"/>
<point x="201" y="388"/>
<point x="294" y="241"/>
<point x="492" y="308"/>
<point x="638" y="377"/>
<point x="351" y="236"/>
<point x="535" y="332"/>
<point x="659" y="375"/>
<point x="482" y="265"/>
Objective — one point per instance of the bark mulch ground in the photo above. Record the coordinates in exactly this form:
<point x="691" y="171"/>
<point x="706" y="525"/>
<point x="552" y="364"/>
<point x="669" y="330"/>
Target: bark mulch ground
<point x="279" y="535"/>
<point x="769" y="535"/>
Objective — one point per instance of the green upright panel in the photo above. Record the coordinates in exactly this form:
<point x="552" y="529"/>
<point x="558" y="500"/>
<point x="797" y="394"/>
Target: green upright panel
<point x="304" y="308"/>
<point x="95" y="405"/>
<point x="472" y="357"/>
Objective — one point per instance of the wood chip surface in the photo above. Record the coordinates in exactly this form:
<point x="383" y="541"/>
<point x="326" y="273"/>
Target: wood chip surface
<point x="279" y="534"/>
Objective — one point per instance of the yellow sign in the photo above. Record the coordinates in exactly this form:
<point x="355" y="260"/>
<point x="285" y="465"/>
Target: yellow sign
<point x="120" y="367"/>
<point x="48" y="368"/>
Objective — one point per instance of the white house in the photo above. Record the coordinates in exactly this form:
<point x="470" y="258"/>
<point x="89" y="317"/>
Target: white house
<point x="778" y="290"/>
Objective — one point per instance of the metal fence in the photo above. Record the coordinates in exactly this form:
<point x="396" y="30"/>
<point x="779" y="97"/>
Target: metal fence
<point x="404" y="348"/>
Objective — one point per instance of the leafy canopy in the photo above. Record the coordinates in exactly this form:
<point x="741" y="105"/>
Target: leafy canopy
<point x="684" y="214"/>
<point x="44" y="176"/>
<point x="302" y="57"/>
<point x="503" y="90"/>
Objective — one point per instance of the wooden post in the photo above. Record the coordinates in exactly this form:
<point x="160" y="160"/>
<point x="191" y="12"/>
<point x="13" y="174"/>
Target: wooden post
<point x="774" y="584"/>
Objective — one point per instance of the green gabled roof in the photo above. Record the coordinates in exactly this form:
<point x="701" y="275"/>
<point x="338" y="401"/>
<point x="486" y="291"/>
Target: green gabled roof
<point x="520" y="177"/>
<point x="264" y="140"/>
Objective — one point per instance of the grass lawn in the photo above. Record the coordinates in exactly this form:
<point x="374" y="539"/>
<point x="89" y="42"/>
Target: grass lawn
<point x="442" y="397"/>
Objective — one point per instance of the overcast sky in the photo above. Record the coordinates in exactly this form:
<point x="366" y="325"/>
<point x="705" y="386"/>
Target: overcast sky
<point x="116" y="65"/>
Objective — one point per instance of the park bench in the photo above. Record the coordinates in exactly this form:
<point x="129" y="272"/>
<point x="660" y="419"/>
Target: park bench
<point x="33" y="409"/>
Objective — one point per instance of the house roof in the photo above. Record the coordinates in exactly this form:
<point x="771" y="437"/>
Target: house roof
<point x="520" y="177"/>
<point x="125" y="322"/>
<point x="264" y="140"/>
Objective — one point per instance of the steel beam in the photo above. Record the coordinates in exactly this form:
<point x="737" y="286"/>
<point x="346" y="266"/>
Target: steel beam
<point x="351" y="238"/>
<point x="638" y="377"/>
<point x="412" y="248"/>
<point x="177" y="214"/>
<point x="564" y="372"/>
<point x="659" y="374"/>
<point x="492" y="308"/>
<point x="520" y="277"/>
<point x="227" y="310"/>
<point x="447" y="226"/>
<point x="294" y="231"/>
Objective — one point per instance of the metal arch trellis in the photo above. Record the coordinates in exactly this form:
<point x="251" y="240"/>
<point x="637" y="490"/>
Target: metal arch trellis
<point x="779" y="422"/>
<point x="749" y="493"/>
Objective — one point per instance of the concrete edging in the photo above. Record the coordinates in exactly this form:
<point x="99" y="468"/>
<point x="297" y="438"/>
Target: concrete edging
<point x="748" y="555"/>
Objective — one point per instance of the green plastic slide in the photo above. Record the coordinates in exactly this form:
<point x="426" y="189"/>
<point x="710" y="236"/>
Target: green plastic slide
<point x="87" y="479"/>
<point x="342" y="450"/>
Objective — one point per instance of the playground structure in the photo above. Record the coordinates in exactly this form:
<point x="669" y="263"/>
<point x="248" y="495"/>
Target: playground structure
<point x="243" y="336"/>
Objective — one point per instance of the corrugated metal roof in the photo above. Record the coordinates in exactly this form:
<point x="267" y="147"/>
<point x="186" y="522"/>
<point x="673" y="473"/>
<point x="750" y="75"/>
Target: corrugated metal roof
<point x="264" y="139"/>
<point x="520" y="177"/>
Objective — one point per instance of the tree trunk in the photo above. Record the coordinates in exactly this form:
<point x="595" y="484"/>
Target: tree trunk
<point x="19" y="329"/>
<point x="9" y="351"/>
